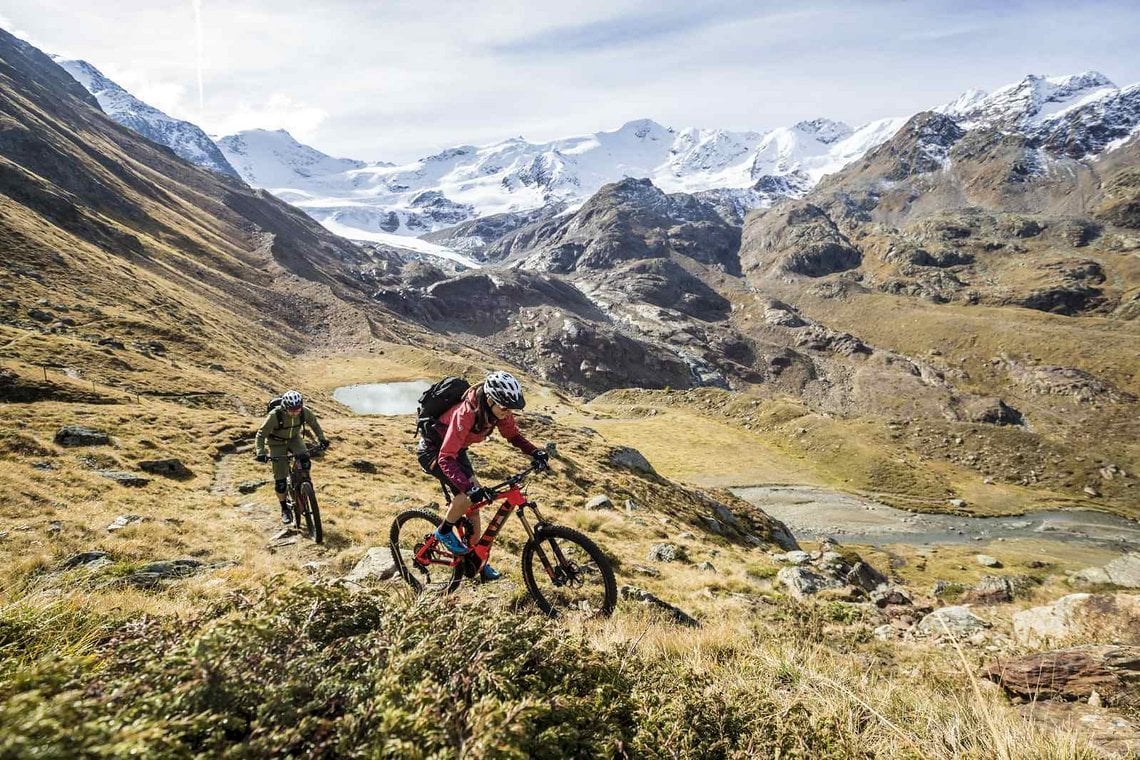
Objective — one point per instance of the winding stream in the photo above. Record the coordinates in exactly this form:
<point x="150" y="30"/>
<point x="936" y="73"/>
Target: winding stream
<point x="816" y="512"/>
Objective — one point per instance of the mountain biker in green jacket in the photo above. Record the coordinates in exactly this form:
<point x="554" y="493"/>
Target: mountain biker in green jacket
<point x="281" y="432"/>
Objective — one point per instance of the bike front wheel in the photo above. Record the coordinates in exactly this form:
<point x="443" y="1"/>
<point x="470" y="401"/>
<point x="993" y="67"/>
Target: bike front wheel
<point x="568" y="575"/>
<point x="422" y="562"/>
<point x="312" y="513"/>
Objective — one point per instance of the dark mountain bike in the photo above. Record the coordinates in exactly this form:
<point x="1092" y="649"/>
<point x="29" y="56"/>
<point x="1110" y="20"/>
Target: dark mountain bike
<point x="301" y="498"/>
<point x="564" y="571"/>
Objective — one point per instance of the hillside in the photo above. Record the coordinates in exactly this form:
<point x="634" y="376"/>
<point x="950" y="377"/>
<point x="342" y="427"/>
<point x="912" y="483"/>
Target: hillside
<point x="151" y="604"/>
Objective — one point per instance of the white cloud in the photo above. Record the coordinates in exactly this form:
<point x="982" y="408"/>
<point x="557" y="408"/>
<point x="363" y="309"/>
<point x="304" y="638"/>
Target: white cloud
<point x="166" y="96"/>
<point x="279" y="111"/>
<point x="400" y="79"/>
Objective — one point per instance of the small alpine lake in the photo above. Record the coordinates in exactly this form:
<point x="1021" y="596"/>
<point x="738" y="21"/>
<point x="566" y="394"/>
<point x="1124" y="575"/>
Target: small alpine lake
<point x="382" y="398"/>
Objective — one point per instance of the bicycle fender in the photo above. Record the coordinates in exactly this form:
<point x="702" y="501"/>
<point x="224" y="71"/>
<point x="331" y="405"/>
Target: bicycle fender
<point x="540" y="530"/>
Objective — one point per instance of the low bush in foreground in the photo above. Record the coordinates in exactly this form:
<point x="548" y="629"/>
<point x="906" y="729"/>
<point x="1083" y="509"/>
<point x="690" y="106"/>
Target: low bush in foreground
<point x="320" y="672"/>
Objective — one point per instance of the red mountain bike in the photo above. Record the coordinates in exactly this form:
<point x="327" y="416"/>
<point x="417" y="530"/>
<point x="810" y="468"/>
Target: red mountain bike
<point x="564" y="571"/>
<point x="301" y="498"/>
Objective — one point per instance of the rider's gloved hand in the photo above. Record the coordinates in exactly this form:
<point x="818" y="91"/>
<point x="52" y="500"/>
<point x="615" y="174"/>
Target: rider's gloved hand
<point x="262" y="457"/>
<point x="541" y="460"/>
<point x="324" y="445"/>
<point x="478" y="494"/>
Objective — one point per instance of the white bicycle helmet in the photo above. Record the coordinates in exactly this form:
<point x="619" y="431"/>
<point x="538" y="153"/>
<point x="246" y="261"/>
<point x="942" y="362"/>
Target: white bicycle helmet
<point x="292" y="400"/>
<point x="503" y="389"/>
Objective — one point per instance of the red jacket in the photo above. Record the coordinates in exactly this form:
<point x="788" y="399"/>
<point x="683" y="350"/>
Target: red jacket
<point x="460" y="428"/>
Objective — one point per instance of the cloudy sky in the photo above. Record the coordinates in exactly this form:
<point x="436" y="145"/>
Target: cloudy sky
<point x="399" y="79"/>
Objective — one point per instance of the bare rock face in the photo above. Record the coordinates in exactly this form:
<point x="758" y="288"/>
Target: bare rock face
<point x="796" y="238"/>
<point x="625" y="221"/>
<point x="1112" y="672"/>
<point x="1100" y="618"/>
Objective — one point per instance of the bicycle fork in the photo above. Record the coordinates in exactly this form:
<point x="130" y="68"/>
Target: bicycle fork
<point x="556" y="572"/>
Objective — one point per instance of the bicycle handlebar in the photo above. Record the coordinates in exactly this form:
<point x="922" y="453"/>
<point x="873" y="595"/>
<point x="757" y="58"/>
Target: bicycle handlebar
<point x="310" y="450"/>
<point x="514" y="480"/>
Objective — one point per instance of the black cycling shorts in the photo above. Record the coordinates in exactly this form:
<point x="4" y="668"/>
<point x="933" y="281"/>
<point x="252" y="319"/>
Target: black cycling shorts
<point x="428" y="458"/>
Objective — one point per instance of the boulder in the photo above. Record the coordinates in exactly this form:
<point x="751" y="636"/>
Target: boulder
<point x="599" y="502"/>
<point x="378" y="563"/>
<point x="624" y="456"/>
<point x="77" y="435"/>
<point x="992" y="589"/>
<point x="86" y="560"/>
<point x="171" y="468"/>
<point x="678" y="615"/>
<point x="986" y="560"/>
<point x="865" y="577"/>
<point x="796" y="557"/>
<point x="132" y="479"/>
<point x="957" y="622"/>
<point x="707" y="566"/>
<point x="1125" y="571"/>
<point x="122" y="521"/>
<point x="891" y="596"/>
<point x="153" y="573"/>
<point x="249" y="486"/>
<point x="802" y="582"/>
<point x="664" y="553"/>
<point x="1088" y="618"/>
<point x="1112" y="673"/>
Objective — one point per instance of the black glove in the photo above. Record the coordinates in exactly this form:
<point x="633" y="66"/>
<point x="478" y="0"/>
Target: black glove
<point x="541" y="460"/>
<point x="478" y="494"/>
<point x="263" y="458"/>
<point x="324" y="446"/>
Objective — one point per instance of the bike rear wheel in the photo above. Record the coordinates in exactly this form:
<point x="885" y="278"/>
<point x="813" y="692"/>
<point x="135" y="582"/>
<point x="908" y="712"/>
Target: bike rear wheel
<point x="568" y="575"/>
<point x="312" y="512"/>
<point x="422" y="562"/>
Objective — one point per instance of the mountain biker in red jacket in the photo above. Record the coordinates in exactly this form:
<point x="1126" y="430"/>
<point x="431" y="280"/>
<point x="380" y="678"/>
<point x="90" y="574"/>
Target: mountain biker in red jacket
<point x="488" y="406"/>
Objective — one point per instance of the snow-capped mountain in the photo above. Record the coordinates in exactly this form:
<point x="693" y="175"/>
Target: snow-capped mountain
<point x="469" y="182"/>
<point x="273" y="159"/>
<point x="1075" y="116"/>
<point x="185" y="139"/>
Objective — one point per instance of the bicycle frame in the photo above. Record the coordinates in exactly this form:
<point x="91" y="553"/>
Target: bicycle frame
<point x="514" y="500"/>
<point x="297" y="473"/>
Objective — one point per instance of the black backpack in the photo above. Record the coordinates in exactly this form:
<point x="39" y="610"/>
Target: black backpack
<point x="275" y="403"/>
<point x="436" y="400"/>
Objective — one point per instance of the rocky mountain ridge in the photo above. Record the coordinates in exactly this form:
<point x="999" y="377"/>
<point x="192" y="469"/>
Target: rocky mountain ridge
<point x="187" y="140"/>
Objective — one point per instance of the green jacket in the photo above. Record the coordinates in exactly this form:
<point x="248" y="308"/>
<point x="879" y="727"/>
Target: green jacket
<point x="273" y="434"/>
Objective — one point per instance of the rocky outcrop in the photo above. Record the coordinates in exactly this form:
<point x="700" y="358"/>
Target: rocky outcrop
<point x="1098" y="618"/>
<point x="1111" y="672"/>
<point x="626" y="221"/>
<point x="676" y="614"/>
<point x="170" y="468"/>
<point x="796" y="238"/>
<point x="921" y="146"/>
<point x="77" y="435"/>
<point x="954" y="622"/>
<point x="377" y="564"/>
